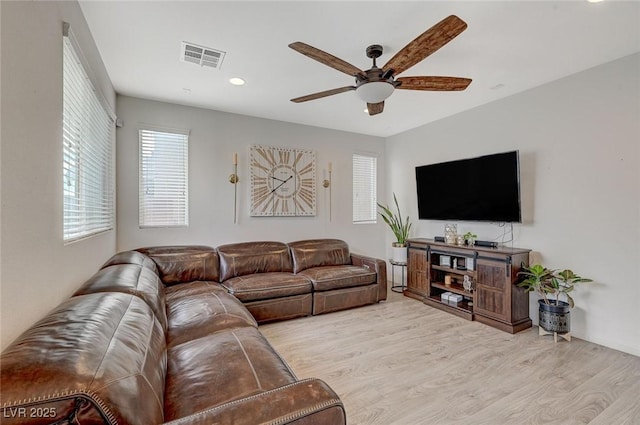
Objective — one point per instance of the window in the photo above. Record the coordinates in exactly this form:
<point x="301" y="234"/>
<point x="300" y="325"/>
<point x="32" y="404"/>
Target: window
<point x="364" y="188"/>
<point x="164" y="182"/>
<point x="87" y="151"/>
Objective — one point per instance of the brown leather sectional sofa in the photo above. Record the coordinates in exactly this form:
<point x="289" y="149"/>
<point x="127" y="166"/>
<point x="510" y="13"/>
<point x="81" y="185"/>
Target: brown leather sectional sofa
<point x="170" y="335"/>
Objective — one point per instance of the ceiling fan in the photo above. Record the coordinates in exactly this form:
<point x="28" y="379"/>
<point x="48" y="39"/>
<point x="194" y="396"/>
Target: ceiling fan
<point x="376" y="84"/>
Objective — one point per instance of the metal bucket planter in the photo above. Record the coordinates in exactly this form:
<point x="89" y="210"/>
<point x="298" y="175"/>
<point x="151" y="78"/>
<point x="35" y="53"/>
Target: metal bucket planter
<point x="554" y="318"/>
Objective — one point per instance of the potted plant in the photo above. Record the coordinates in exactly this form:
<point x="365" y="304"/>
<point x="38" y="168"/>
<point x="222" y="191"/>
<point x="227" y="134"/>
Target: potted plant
<point x="399" y="228"/>
<point x="554" y="287"/>
<point x="470" y="238"/>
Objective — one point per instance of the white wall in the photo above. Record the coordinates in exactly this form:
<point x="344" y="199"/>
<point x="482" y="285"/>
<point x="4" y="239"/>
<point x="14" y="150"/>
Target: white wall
<point x="214" y="137"/>
<point x="37" y="270"/>
<point x="579" y="140"/>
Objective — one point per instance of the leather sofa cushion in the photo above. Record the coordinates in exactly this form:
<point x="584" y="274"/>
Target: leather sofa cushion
<point x="319" y="252"/>
<point x="247" y="258"/>
<point x="131" y="257"/>
<point x="263" y="286"/>
<point x="180" y="264"/>
<point x="102" y="355"/>
<point x="131" y="279"/>
<point x="336" y="277"/>
<point x="197" y="309"/>
<point x="219" y="368"/>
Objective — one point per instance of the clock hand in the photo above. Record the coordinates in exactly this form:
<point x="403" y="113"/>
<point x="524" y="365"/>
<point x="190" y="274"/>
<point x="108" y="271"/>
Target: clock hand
<point x="283" y="182"/>
<point x="280" y="180"/>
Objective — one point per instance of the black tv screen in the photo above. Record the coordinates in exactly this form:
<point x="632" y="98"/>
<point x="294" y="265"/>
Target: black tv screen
<point x="486" y="188"/>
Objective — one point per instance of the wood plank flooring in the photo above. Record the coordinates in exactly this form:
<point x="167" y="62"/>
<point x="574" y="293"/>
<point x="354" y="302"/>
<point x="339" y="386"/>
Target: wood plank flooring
<point x="402" y="362"/>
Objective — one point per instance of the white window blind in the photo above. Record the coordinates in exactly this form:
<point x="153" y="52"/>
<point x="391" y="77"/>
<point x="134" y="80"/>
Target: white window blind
<point x="364" y="188"/>
<point x="164" y="179"/>
<point x="87" y="151"/>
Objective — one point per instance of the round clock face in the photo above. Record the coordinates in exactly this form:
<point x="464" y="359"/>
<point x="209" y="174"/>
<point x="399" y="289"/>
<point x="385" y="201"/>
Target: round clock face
<point x="282" y="181"/>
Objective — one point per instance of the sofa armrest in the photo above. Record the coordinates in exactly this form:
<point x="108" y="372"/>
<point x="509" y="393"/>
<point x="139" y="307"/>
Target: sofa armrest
<point x="377" y="265"/>
<point x="305" y="402"/>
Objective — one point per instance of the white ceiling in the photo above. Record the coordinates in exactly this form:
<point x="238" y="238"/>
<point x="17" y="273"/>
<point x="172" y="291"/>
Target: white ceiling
<point x="508" y="47"/>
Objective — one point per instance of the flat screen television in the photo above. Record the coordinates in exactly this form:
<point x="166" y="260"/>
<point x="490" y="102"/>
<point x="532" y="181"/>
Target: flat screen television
<point x="486" y="188"/>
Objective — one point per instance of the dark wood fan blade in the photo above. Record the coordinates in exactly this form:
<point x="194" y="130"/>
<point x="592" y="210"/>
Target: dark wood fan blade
<point x="323" y="94"/>
<point x="375" y="108"/>
<point x="325" y="58"/>
<point x="426" y="43"/>
<point x="433" y="83"/>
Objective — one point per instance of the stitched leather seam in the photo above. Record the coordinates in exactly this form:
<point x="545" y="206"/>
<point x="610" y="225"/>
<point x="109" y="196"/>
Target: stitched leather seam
<point x="246" y="356"/>
<point x="304" y="412"/>
<point x="300" y="285"/>
<point x="110" y="342"/>
<point x="259" y="395"/>
<point x="220" y="301"/>
<point x="139" y="372"/>
<point x="92" y="396"/>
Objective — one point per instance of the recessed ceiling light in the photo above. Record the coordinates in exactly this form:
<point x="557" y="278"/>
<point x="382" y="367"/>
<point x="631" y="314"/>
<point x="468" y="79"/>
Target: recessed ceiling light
<point x="236" y="81"/>
<point x="594" y="1"/>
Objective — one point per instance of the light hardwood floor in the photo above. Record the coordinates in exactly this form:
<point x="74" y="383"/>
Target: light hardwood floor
<point x="402" y="362"/>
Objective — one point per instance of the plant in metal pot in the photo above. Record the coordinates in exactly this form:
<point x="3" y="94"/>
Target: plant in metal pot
<point x="399" y="228"/>
<point x="554" y="288"/>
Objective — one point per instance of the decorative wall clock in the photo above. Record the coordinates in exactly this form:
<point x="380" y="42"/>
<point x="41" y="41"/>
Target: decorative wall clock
<point x="283" y="181"/>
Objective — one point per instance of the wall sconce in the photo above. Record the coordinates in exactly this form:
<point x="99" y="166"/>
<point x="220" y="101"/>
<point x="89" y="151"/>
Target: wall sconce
<point x="233" y="179"/>
<point x="326" y="183"/>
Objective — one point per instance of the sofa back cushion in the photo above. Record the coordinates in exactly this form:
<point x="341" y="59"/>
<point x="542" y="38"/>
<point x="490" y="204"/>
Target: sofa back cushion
<point x="245" y="258"/>
<point x="131" y="257"/>
<point x="130" y="279"/>
<point x="181" y="264"/>
<point x="319" y="252"/>
<point x="97" y="358"/>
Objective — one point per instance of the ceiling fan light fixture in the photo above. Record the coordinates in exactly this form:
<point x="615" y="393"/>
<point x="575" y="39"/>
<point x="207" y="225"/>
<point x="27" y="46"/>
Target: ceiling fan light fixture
<point x="375" y="91"/>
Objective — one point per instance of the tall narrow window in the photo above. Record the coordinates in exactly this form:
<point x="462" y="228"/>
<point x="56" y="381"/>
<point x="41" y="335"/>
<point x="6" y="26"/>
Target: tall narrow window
<point x="364" y="188"/>
<point x="87" y="151"/>
<point x="164" y="179"/>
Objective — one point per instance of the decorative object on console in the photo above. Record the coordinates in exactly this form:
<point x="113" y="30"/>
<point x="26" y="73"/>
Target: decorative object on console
<point x="233" y="179"/>
<point x="450" y="233"/>
<point x="399" y="228"/>
<point x="283" y="181"/>
<point x="552" y="285"/>
<point x="467" y="283"/>
<point x="470" y="238"/>
<point x="460" y="240"/>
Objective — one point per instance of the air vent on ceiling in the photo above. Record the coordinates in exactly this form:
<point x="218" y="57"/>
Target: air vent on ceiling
<point x="200" y="55"/>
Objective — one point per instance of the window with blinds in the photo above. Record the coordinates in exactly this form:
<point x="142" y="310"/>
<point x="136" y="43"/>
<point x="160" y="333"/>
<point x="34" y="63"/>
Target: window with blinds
<point x="87" y="151"/>
<point x="364" y="188"/>
<point x="164" y="179"/>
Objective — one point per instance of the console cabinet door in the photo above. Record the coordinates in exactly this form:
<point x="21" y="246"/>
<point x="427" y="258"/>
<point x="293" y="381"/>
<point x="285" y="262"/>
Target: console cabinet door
<point x="417" y="283"/>
<point x="492" y="297"/>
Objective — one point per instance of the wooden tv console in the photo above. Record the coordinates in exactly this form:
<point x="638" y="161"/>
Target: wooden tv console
<point x="495" y="300"/>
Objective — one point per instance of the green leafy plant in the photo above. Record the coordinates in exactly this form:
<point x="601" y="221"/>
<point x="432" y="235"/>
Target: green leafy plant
<point x="399" y="228"/>
<point x="470" y="238"/>
<point x="550" y="283"/>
